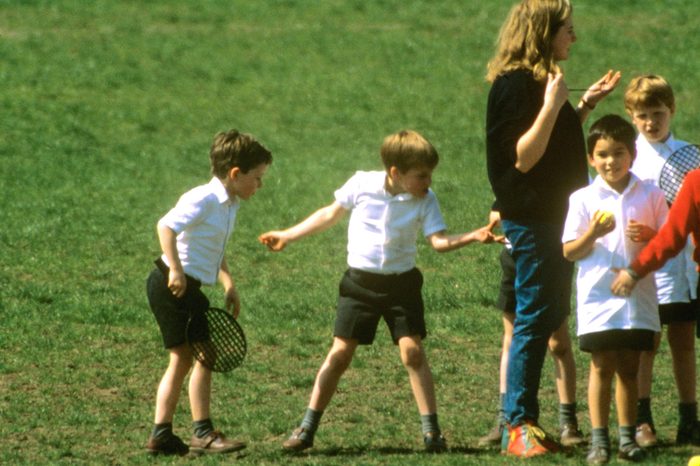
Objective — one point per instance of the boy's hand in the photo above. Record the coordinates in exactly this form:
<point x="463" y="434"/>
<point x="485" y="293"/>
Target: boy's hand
<point x="177" y="283"/>
<point x="485" y="234"/>
<point x="274" y="240"/>
<point x="232" y="302"/>
<point x="623" y="283"/>
<point x="638" y="232"/>
<point x="602" y="223"/>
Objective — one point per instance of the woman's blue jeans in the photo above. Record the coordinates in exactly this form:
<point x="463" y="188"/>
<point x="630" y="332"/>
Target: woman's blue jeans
<point x="542" y="293"/>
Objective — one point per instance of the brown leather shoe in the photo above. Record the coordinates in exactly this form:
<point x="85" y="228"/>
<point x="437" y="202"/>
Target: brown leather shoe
<point x="645" y="435"/>
<point x="301" y="439"/>
<point x="570" y="436"/>
<point x="215" y="442"/>
<point x="170" y="445"/>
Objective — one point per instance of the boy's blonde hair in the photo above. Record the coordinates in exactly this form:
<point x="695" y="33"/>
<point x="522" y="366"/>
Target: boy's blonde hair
<point x="235" y="149"/>
<point x="525" y="40"/>
<point x="407" y="149"/>
<point x="649" y="90"/>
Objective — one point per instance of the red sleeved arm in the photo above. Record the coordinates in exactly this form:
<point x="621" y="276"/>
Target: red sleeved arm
<point x="683" y="219"/>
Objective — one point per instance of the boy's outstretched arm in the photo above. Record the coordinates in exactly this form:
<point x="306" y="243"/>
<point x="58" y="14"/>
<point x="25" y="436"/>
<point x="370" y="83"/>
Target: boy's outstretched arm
<point x="443" y="242"/>
<point x="168" y="243"/>
<point x="321" y="220"/>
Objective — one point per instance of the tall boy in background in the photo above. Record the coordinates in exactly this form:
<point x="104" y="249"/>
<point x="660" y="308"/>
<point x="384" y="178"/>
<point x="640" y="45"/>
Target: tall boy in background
<point x="650" y="102"/>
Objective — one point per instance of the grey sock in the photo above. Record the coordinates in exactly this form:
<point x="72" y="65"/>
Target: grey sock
<point x="600" y="437"/>
<point x="162" y="430"/>
<point x="429" y="423"/>
<point x="567" y="414"/>
<point x="627" y="435"/>
<point x="311" y="420"/>
<point x="202" y="428"/>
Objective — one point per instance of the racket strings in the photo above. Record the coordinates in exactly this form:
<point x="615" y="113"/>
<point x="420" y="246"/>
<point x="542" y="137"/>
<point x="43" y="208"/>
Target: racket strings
<point x="675" y="169"/>
<point x="225" y="347"/>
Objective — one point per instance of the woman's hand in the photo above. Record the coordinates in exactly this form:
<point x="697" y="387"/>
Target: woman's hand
<point x="601" y="88"/>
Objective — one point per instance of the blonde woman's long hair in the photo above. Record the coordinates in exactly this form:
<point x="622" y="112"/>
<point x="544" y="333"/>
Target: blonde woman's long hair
<point x="525" y="40"/>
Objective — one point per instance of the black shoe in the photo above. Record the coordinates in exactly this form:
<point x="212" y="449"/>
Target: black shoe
<point x="631" y="452"/>
<point x="434" y="442"/>
<point x="170" y="445"/>
<point x="688" y="434"/>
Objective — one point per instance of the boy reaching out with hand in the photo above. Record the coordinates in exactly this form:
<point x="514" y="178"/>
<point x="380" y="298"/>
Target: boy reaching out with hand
<point x="388" y="209"/>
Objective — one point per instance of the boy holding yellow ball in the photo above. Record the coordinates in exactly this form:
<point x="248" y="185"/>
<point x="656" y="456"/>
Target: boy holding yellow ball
<point x="607" y="225"/>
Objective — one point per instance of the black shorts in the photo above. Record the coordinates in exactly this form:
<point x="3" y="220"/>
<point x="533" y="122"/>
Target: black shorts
<point x="678" y="312"/>
<point x="171" y="313"/>
<point x="506" y="294"/>
<point x="366" y="297"/>
<point x="617" y="339"/>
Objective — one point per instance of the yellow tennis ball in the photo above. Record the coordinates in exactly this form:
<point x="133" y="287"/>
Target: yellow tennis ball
<point x="694" y="461"/>
<point x="604" y="218"/>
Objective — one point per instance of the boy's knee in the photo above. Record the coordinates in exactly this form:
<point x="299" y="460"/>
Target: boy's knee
<point x="412" y="356"/>
<point x="339" y="359"/>
<point x="559" y="348"/>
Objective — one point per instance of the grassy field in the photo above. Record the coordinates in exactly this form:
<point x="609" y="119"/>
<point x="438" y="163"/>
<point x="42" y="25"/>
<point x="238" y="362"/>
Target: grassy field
<point x="108" y="110"/>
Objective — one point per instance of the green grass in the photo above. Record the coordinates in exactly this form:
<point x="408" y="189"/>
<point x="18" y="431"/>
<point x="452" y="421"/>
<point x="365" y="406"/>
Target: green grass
<point x="108" y="110"/>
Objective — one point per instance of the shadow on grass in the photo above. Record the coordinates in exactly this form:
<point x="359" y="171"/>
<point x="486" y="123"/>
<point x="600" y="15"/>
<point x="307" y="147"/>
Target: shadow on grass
<point x="368" y="449"/>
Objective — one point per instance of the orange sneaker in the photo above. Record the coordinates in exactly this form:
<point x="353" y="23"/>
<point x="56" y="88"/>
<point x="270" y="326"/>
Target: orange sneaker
<point x="528" y="439"/>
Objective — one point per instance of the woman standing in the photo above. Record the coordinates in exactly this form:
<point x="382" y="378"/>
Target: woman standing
<point x="536" y="158"/>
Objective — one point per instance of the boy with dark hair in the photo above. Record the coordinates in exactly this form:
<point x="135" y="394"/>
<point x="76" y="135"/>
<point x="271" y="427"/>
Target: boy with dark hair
<point x="608" y="223"/>
<point x="193" y="238"/>
<point x="389" y="209"/>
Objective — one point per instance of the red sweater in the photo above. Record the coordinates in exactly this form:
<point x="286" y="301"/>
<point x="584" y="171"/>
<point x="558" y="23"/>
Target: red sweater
<point x="683" y="220"/>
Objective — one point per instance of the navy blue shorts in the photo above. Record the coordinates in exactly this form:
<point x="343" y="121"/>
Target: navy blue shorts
<point x="678" y="312"/>
<point x="366" y="297"/>
<point x="617" y="339"/>
<point x="172" y="314"/>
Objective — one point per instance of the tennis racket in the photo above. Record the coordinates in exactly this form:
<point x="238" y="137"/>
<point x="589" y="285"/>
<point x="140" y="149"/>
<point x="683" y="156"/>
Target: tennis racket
<point x="217" y="340"/>
<point x="676" y="167"/>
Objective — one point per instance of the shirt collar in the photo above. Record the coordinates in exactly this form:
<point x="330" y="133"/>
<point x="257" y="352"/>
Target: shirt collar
<point x="381" y="189"/>
<point x="601" y="185"/>
<point x="219" y="190"/>
<point x="664" y="148"/>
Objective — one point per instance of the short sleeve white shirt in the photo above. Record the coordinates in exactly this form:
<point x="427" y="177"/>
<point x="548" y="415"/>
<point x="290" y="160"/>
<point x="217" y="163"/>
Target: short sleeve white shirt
<point x="677" y="280"/>
<point x="203" y="219"/>
<point x="383" y="228"/>
<point x="597" y="308"/>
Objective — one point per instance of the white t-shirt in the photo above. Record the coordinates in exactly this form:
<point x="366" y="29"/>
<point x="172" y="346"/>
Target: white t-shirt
<point x="203" y="219"/>
<point x="677" y="280"/>
<point x="383" y="228"/>
<point x="597" y="308"/>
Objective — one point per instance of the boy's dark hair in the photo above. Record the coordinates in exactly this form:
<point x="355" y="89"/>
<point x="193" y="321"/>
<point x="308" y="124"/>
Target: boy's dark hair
<point x="407" y="149"/>
<point x="612" y="127"/>
<point x="235" y="149"/>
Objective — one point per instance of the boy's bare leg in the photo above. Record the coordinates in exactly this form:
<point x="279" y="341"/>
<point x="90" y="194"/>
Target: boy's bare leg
<point x="328" y="376"/>
<point x="421" y="378"/>
<point x="646" y="368"/>
<point x="200" y="392"/>
<point x="564" y="365"/>
<point x="599" y="387"/>
<point x="626" y="391"/>
<point x="416" y="363"/>
<point x="626" y="388"/>
<point x="171" y="383"/>
<point x="681" y="340"/>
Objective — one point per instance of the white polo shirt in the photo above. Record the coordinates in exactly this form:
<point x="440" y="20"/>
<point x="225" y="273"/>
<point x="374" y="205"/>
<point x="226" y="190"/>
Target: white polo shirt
<point x="383" y="228"/>
<point x="203" y="219"/>
<point x="677" y="280"/>
<point x="597" y="308"/>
